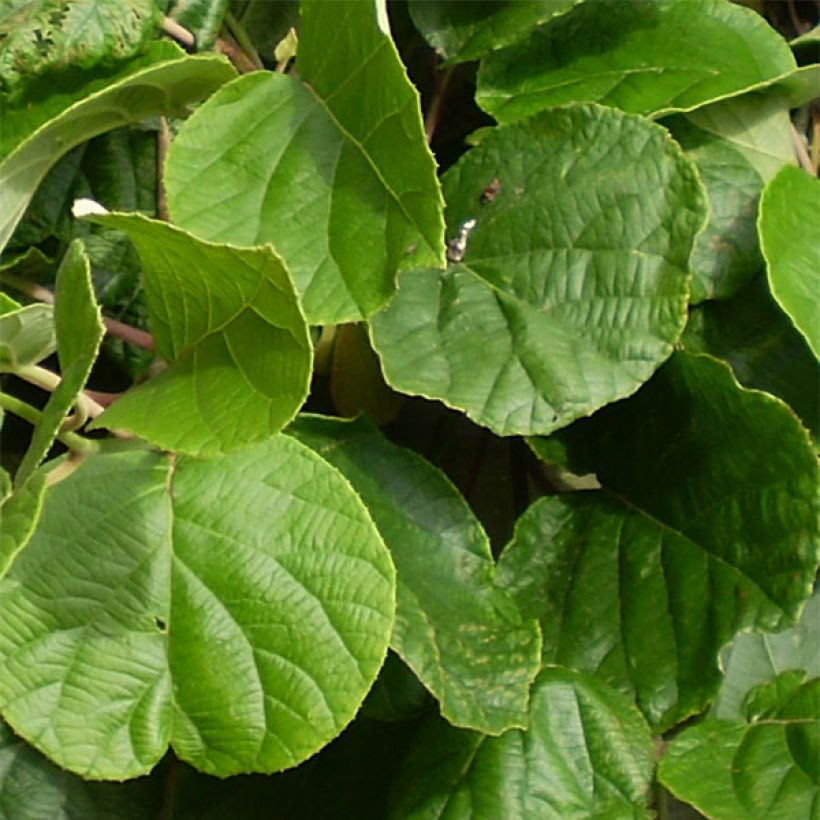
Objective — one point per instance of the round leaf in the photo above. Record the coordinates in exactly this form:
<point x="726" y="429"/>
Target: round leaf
<point x="574" y="283"/>
<point x="238" y="609"/>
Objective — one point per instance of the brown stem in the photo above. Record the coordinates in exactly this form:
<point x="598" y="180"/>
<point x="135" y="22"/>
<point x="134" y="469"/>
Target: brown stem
<point x="132" y="335"/>
<point x="178" y="32"/>
<point x="163" y="143"/>
<point x="434" y="111"/>
<point x="227" y="45"/>
<point x="800" y="150"/>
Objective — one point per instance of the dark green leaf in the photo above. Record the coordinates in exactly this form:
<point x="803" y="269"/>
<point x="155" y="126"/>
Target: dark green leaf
<point x="79" y="331"/>
<point x="574" y="283"/>
<point x="201" y="17"/>
<point x="460" y="634"/>
<point x="791" y="248"/>
<point x="586" y="754"/>
<point x="346" y="192"/>
<point x="462" y="30"/>
<point x="644" y="56"/>
<point x="36" y="133"/>
<point x="41" y="36"/>
<point x="712" y="528"/>
<point x="238" y="609"/>
<point x="229" y="323"/>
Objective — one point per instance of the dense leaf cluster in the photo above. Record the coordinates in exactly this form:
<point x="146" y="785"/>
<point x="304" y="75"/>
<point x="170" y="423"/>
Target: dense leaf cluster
<point x="432" y="387"/>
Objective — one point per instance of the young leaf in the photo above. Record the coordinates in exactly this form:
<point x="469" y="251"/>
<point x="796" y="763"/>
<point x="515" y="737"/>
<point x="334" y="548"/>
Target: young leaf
<point x="345" y="190"/>
<point x="574" y="283"/>
<point x="791" y="249"/>
<point x="238" y="609"/>
<point x="707" y="525"/>
<point x="38" y="131"/>
<point x="619" y="54"/>
<point x="455" y="628"/>
<point x="79" y="331"/>
<point x="33" y="787"/>
<point x="44" y="35"/>
<point x="26" y="336"/>
<point x="462" y="30"/>
<point x="763" y="769"/>
<point x="765" y="351"/>
<point x="587" y="753"/>
<point x="754" y="658"/>
<point x="229" y="323"/>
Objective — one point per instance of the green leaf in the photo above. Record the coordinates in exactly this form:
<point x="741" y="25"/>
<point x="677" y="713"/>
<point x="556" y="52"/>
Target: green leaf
<point x="79" y="331"/>
<point x="202" y="18"/>
<point x="7" y="304"/>
<point x="462" y="30"/>
<point x="41" y="36"/>
<point x="791" y="249"/>
<point x="26" y="336"/>
<point x="229" y="323"/>
<point x="760" y="343"/>
<point x="33" y="788"/>
<point x="238" y="609"/>
<point x="586" y="754"/>
<point x="766" y="769"/>
<point x="20" y="513"/>
<point x="574" y="284"/>
<point x="345" y="191"/>
<point x="619" y="54"/>
<point x="707" y="525"/>
<point x="59" y="116"/>
<point x="752" y="659"/>
<point x="461" y="635"/>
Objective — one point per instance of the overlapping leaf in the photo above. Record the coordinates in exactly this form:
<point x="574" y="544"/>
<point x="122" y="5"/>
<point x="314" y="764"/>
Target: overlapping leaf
<point x="79" y="332"/>
<point x="464" y="30"/>
<point x="461" y="635"/>
<point x="26" y="336"/>
<point x="765" y="767"/>
<point x="791" y="248"/>
<point x="39" y="129"/>
<point x="711" y="527"/>
<point x="619" y="54"/>
<point x="238" y="609"/>
<point x="20" y="513"/>
<point x="229" y="323"/>
<point x="574" y="283"/>
<point x="334" y="173"/>
<point x="586" y="754"/>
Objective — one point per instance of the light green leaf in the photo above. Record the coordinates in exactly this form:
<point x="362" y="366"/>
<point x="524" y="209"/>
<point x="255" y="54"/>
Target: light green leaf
<point x="811" y="37"/>
<point x="19" y="514"/>
<point x="26" y="336"/>
<point x="33" y="788"/>
<point x="461" y="635"/>
<point x="229" y="323"/>
<point x="462" y="30"/>
<point x="707" y="525"/>
<point x="344" y="189"/>
<point x="79" y="331"/>
<point x="7" y="304"/>
<point x="757" y="339"/>
<point x="38" y="131"/>
<point x="765" y="769"/>
<point x="619" y="54"/>
<point x="789" y="204"/>
<point x="752" y="659"/>
<point x="586" y="754"/>
<point x="574" y="284"/>
<point x="41" y="36"/>
<point x="238" y="609"/>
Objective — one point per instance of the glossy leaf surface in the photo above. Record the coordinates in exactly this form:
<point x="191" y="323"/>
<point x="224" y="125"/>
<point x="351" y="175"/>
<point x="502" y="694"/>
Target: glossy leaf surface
<point x="345" y="191"/>
<point x="238" y="609"/>
<point x="791" y="248"/>
<point x="461" y="634"/>
<point x="38" y="131"/>
<point x="229" y="323"/>
<point x="711" y="527"/>
<point x="586" y="754"/>
<point x="574" y="282"/>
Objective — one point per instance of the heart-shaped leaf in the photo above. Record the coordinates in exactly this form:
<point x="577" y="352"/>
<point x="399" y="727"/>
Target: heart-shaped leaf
<point x="345" y="191"/>
<point x="619" y="54"/>
<point x="460" y="633"/>
<point x="229" y="323"/>
<point x="238" y="609"/>
<point x="574" y="284"/>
